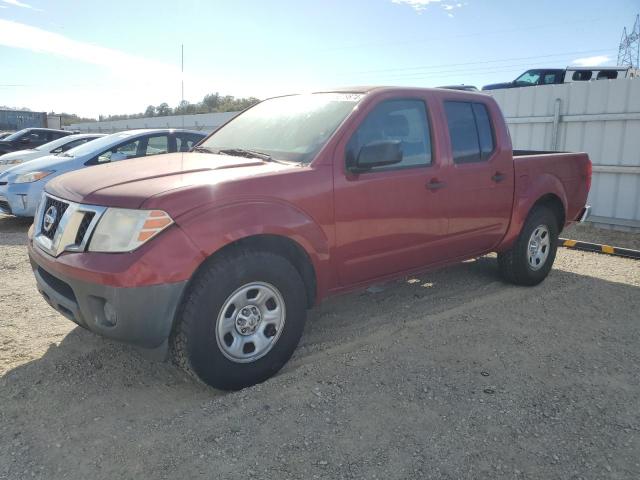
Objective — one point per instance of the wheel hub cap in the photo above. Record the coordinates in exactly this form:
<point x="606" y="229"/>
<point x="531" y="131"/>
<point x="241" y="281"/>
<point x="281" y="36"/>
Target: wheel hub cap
<point x="538" y="247"/>
<point x="248" y="319"/>
<point x="250" y="322"/>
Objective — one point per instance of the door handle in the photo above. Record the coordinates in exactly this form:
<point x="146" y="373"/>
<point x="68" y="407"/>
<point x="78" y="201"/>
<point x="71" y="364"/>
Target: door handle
<point x="498" y="177"/>
<point x="435" y="184"/>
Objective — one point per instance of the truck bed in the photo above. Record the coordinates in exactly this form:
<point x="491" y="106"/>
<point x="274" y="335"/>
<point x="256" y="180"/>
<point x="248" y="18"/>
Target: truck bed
<point x="569" y="169"/>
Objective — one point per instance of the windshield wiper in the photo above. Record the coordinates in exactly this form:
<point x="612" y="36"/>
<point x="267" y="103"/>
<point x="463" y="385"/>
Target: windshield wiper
<point x="202" y="149"/>
<point x="241" y="152"/>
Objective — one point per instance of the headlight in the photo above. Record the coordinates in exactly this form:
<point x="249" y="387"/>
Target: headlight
<point x="32" y="176"/>
<point x="124" y="230"/>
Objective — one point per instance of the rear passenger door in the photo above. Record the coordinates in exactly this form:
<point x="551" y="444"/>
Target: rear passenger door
<point x="481" y="181"/>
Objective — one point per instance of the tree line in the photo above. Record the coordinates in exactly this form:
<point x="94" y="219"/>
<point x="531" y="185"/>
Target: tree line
<point x="211" y="103"/>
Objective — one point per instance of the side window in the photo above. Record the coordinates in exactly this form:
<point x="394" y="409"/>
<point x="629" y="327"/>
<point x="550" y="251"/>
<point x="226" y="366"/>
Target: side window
<point x="470" y="131"/>
<point x="121" y="152"/>
<point x="582" y="75"/>
<point x="401" y="120"/>
<point x="485" y="133"/>
<point x="607" y="75"/>
<point x="157" y="145"/>
<point x="549" y="78"/>
<point x="38" y="136"/>
<point x="185" y="142"/>
<point x="70" y="145"/>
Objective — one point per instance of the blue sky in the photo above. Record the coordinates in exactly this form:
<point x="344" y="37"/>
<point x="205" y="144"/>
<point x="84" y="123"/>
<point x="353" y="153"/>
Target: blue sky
<point x="93" y="58"/>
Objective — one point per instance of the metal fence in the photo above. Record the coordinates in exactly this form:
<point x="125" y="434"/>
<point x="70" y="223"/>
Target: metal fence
<point x="19" y="119"/>
<point x="206" y="122"/>
<point x="601" y="118"/>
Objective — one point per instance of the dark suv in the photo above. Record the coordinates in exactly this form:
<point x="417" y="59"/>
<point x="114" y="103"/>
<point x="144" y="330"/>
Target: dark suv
<point x="30" y="138"/>
<point x="531" y="78"/>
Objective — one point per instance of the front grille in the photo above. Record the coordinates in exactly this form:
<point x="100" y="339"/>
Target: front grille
<point x="4" y="205"/>
<point x="84" y="226"/>
<point x="60" y="208"/>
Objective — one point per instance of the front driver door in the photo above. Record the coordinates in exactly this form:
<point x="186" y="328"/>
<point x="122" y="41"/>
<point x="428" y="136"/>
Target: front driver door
<point x="389" y="218"/>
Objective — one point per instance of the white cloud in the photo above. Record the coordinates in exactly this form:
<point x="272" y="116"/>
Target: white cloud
<point x="18" y="3"/>
<point x="417" y="5"/>
<point x="19" y="35"/>
<point x="421" y="5"/>
<point x="591" y="61"/>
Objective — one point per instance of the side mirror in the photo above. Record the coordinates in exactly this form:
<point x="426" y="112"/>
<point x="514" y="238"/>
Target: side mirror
<point x="377" y="154"/>
<point x="25" y="140"/>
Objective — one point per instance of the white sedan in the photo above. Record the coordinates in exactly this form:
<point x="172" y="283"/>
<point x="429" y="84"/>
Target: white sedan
<point x="55" y="147"/>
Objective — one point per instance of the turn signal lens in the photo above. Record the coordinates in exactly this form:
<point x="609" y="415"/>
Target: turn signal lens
<point x="124" y="230"/>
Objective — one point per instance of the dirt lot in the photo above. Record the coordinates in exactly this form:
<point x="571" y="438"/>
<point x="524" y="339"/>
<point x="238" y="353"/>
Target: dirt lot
<point x="450" y="375"/>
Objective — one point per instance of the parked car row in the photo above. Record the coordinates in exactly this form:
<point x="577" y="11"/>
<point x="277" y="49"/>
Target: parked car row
<point x="55" y="147"/>
<point x="23" y="174"/>
<point x="30" y="138"/>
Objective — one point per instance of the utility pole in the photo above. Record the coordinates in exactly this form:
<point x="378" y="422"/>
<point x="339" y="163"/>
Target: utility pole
<point x="629" y="49"/>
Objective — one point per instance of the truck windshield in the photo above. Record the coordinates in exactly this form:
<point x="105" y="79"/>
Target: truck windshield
<point x="292" y="128"/>
<point x="530" y="77"/>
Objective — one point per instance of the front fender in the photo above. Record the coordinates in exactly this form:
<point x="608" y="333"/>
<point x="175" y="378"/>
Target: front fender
<point x="211" y="229"/>
<point x="529" y="191"/>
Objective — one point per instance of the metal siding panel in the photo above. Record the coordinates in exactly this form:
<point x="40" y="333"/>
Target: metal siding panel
<point x="608" y="141"/>
<point x="624" y="202"/>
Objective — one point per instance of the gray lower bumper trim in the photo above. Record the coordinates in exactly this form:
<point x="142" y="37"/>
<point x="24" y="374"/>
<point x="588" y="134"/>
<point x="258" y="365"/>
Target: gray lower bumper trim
<point x="143" y="315"/>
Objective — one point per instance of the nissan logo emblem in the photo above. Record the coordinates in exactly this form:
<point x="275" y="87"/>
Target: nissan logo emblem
<point x="49" y="218"/>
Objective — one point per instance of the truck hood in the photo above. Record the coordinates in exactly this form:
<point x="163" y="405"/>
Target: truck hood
<point x="129" y="183"/>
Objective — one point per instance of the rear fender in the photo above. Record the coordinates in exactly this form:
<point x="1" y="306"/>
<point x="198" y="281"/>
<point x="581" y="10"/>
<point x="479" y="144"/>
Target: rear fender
<point x="528" y="192"/>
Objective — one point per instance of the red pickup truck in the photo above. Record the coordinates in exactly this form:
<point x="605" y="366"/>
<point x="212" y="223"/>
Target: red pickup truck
<point x="214" y="256"/>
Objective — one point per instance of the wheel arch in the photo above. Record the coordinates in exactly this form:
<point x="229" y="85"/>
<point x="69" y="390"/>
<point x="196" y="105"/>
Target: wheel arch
<point x="553" y="203"/>
<point x="273" y="243"/>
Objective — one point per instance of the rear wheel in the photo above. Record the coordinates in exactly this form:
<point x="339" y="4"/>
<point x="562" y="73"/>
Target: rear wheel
<point x="241" y="319"/>
<point x="530" y="259"/>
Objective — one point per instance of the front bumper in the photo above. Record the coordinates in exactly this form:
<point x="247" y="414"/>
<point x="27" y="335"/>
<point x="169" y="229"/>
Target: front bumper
<point x="20" y="199"/>
<point x="142" y="316"/>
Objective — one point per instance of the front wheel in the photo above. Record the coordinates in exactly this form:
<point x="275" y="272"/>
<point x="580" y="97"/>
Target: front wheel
<point x="241" y="319"/>
<point x="530" y="259"/>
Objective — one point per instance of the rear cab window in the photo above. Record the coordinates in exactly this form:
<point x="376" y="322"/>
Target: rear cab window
<point x="470" y="131"/>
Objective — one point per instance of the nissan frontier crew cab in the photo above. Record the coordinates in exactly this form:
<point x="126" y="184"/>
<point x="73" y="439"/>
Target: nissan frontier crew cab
<point x="213" y="256"/>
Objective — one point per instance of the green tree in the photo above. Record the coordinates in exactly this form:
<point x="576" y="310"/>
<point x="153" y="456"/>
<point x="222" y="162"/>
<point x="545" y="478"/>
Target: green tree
<point x="163" y="110"/>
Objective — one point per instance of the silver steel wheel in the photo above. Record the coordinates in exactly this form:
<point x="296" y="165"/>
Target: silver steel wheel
<point x="250" y="322"/>
<point x="539" y="246"/>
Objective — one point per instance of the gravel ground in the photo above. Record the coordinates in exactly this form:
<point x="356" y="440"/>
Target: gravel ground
<point x="615" y="238"/>
<point x="452" y="374"/>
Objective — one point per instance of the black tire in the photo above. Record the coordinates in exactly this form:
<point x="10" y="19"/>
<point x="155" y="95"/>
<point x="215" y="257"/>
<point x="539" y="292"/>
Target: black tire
<point x="514" y="263"/>
<point x="194" y="344"/>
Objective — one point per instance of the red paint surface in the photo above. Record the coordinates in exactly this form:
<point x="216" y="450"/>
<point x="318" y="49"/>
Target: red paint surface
<point x="356" y="229"/>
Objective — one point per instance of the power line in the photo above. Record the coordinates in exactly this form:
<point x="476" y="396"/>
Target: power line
<point x="466" y="35"/>
<point x="425" y="67"/>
